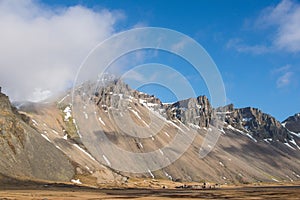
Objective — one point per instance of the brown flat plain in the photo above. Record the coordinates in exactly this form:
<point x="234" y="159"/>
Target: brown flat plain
<point x="78" y="193"/>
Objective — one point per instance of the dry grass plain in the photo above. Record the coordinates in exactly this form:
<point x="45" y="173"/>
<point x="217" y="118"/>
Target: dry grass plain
<point x="68" y="192"/>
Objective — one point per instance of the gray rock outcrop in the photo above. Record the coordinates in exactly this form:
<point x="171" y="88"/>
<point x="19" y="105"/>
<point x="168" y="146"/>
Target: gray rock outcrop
<point x="196" y="111"/>
<point x="254" y="121"/>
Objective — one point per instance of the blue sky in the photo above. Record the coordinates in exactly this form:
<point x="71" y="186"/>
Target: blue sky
<point x="254" y="43"/>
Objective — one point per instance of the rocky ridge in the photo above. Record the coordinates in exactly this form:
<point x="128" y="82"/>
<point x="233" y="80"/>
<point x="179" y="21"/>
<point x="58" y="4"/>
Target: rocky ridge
<point x="292" y="123"/>
<point x="245" y="150"/>
<point x="198" y="112"/>
<point x="260" y="125"/>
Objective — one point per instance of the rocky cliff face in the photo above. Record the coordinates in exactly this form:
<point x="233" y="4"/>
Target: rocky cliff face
<point x="24" y="153"/>
<point x="198" y="112"/>
<point x="111" y="94"/>
<point x="193" y="111"/>
<point x="260" y="125"/>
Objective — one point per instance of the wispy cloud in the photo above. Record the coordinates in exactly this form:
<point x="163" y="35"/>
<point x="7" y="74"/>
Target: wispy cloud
<point x="284" y="76"/>
<point x="281" y="69"/>
<point x="41" y="47"/>
<point x="241" y="47"/>
<point x="284" y="80"/>
<point x="181" y="45"/>
<point x="281" y="26"/>
<point x="285" y="18"/>
<point x="140" y="24"/>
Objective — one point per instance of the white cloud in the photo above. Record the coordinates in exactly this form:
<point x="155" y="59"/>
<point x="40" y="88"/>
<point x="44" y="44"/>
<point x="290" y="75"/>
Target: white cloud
<point x="180" y="45"/>
<point x="134" y="75"/>
<point x="42" y="47"/>
<point x="39" y="95"/>
<point x="285" y="17"/>
<point x="284" y="76"/>
<point x="281" y="69"/>
<point x="281" y="26"/>
<point x="140" y="25"/>
<point x="241" y="47"/>
<point x="284" y="80"/>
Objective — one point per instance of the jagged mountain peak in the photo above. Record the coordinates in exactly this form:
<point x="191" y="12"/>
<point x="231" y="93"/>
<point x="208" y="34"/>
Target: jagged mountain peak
<point x="258" y="124"/>
<point x="295" y="117"/>
<point x="242" y="138"/>
<point x="198" y="112"/>
<point x="292" y="123"/>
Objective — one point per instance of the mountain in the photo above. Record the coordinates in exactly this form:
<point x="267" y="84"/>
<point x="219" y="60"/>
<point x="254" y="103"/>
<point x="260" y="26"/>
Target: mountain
<point x="96" y="127"/>
<point x="292" y="123"/>
<point x="25" y="154"/>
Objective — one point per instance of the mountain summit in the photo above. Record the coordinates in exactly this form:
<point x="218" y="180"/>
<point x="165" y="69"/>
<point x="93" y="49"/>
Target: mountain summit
<point x="292" y="123"/>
